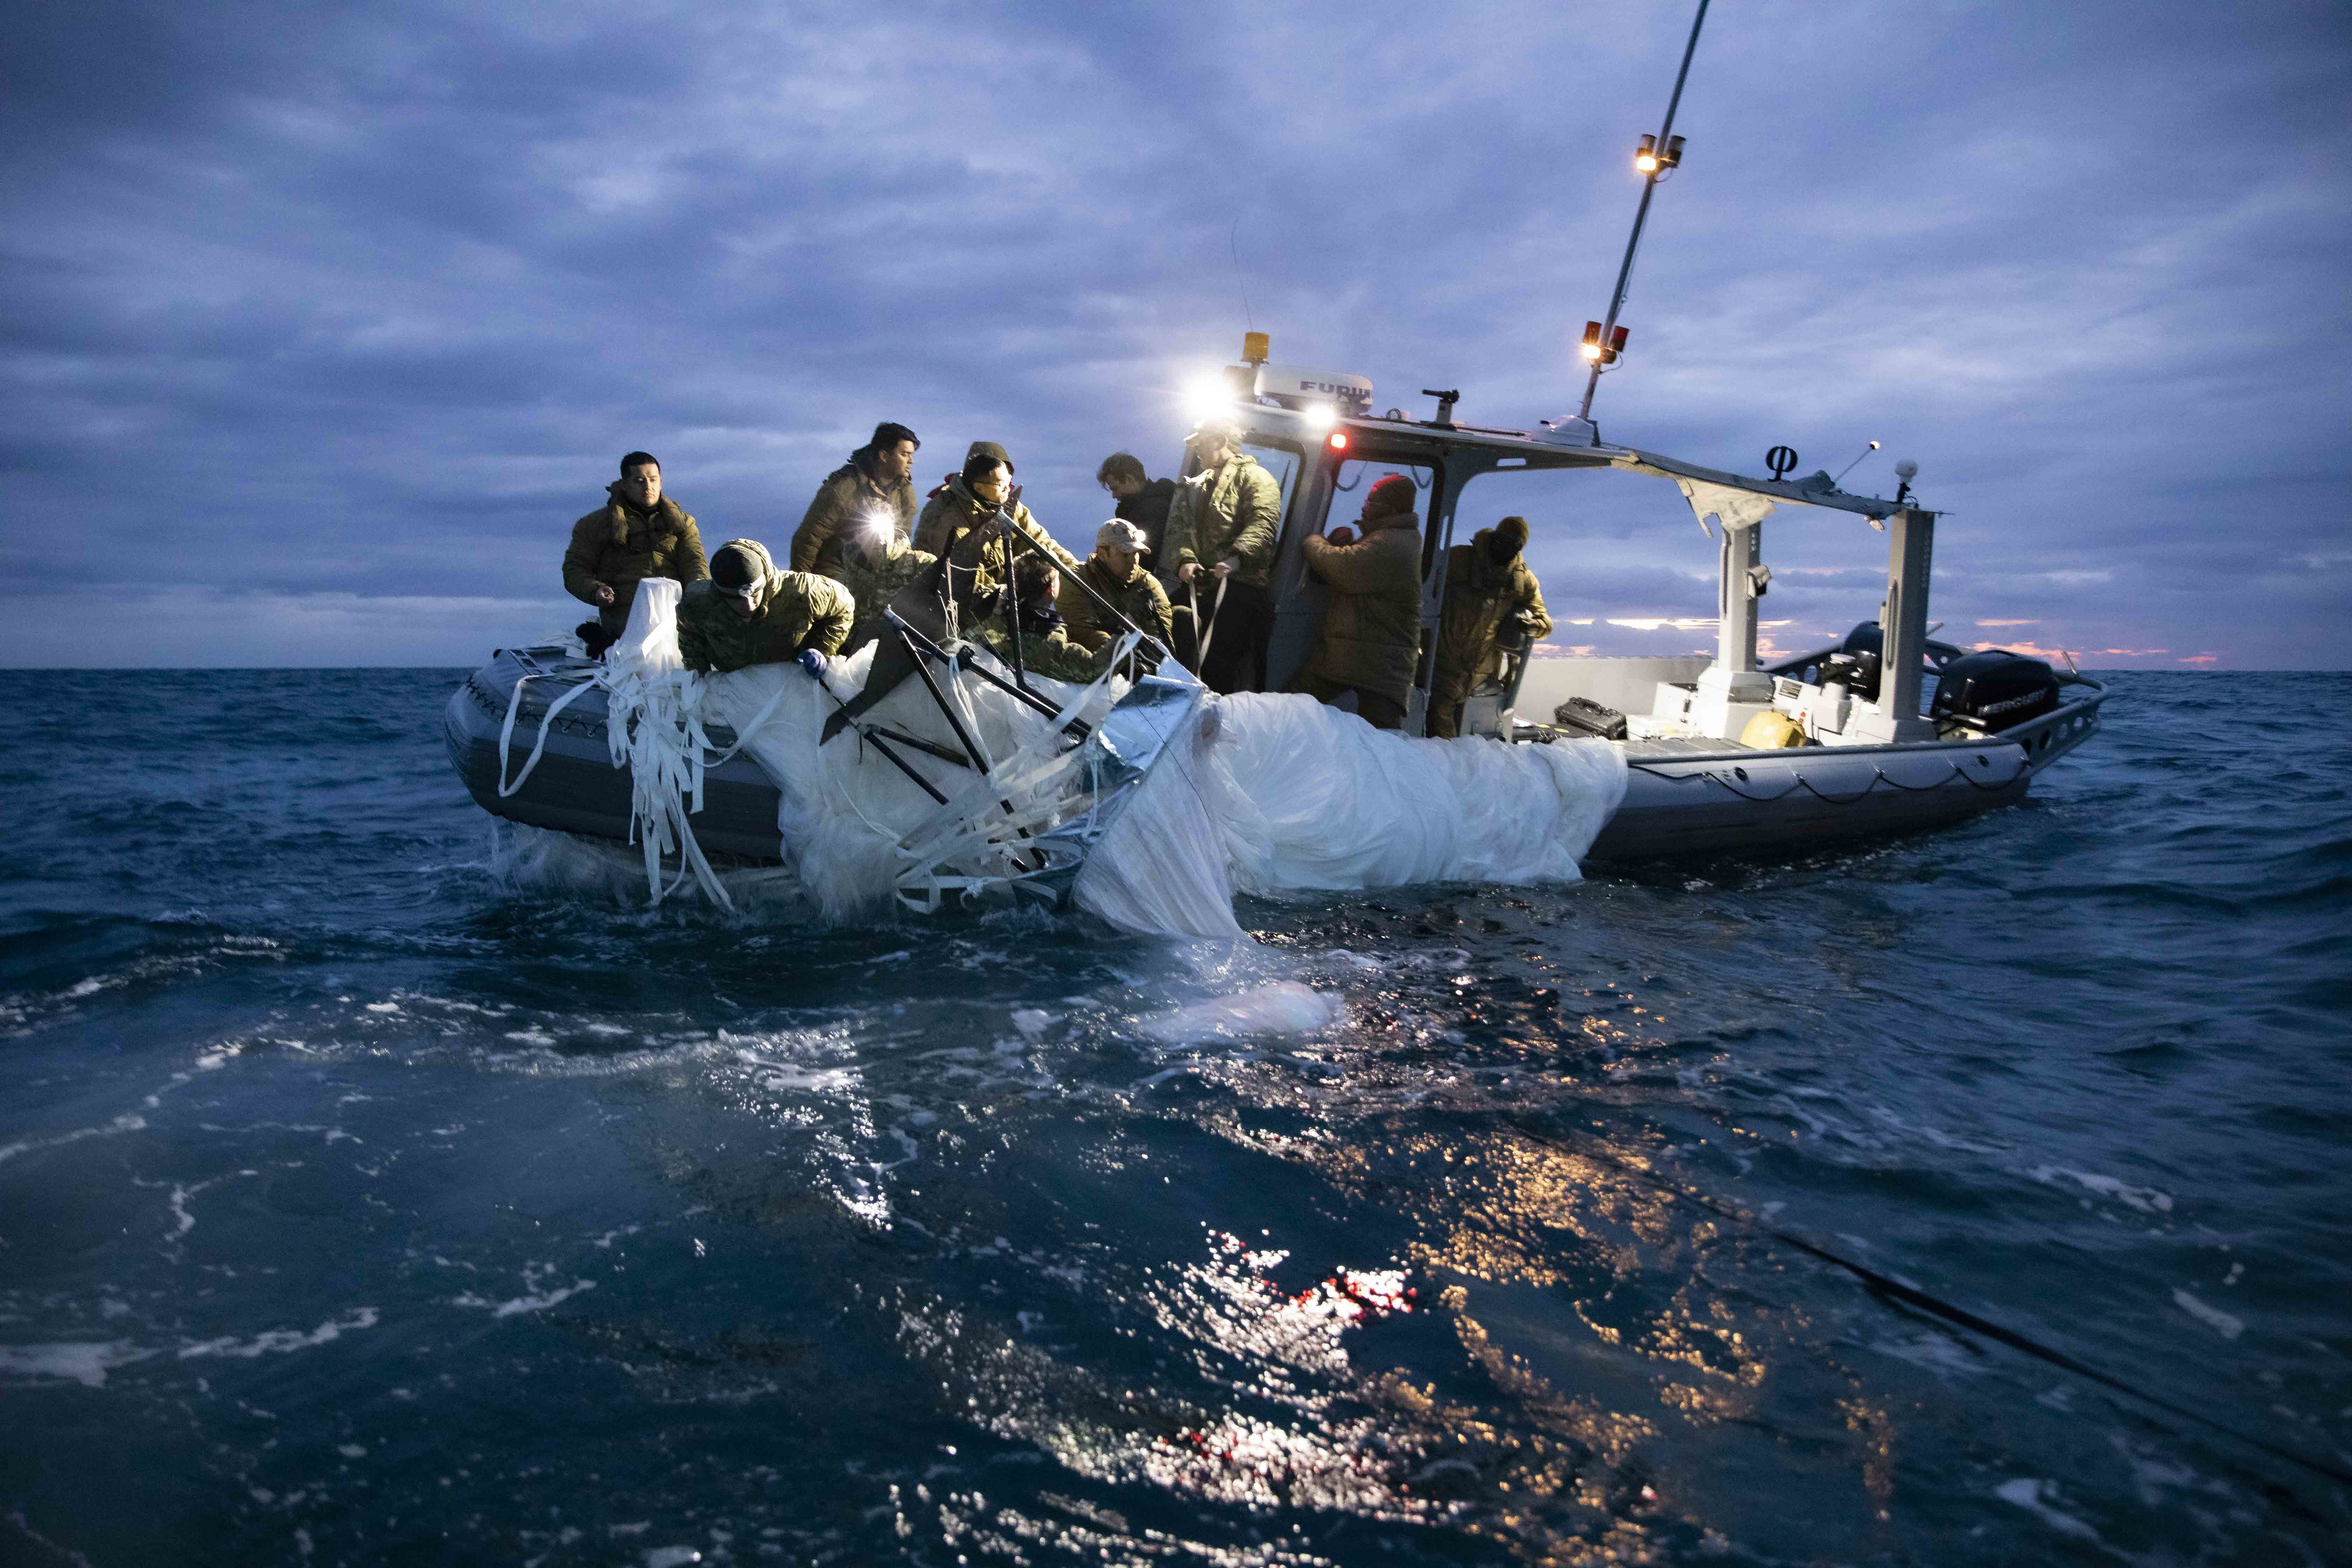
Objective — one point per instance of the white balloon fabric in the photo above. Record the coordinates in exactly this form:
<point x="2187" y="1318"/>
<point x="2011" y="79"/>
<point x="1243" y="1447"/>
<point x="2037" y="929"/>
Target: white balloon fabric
<point x="1263" y="794"/>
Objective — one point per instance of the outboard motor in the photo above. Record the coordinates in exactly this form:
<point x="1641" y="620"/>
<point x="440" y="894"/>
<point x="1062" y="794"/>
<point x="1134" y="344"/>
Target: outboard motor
<point x="1857" y="672"/>
<point x="1993" y="690"/>
<point x="1856" y="665"/>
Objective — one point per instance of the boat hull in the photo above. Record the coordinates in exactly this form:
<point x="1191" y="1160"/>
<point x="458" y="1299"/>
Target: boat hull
<point x="1680" y="800"/>
<point x="1683" y="800"/>
<point x="576" y="788"/>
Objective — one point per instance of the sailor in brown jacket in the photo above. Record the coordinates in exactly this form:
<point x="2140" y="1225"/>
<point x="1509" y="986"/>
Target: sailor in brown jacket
<point x="876" y="485"/>
<point x="1492" y="603"/>
<point x="639" y="533"/>
<point x="1371" y="632"/>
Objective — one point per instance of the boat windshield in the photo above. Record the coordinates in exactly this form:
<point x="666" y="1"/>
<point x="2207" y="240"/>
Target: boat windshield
<point x="1283" y="463"/>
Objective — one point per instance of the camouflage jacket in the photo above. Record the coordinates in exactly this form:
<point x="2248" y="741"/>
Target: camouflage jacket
<point x="1231" y="513"/>
<point x="956" y="524"/>
<point x="1052" y="654"/>
<point x="846" y="499"/>
<point x="1481" y="598"/>
<point x="797" y="610"/>
<point x="874" y="583"/>
<point x="620" y="546"/>
<point x="1140" y="599"/>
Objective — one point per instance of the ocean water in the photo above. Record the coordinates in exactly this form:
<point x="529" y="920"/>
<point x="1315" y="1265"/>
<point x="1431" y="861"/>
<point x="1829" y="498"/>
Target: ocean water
<point x="375" y="1187"/>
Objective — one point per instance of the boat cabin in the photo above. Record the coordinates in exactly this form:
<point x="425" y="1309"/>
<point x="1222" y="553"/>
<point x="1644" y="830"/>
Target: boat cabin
<point x="1316" y="434"/>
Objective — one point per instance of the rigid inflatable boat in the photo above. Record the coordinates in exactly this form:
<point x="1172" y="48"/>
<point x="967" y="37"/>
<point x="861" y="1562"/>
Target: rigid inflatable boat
<point x="1885" y="734"/>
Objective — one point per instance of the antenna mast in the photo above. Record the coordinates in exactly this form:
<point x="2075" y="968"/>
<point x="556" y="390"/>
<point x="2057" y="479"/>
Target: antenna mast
<point x="1604" y="341"/>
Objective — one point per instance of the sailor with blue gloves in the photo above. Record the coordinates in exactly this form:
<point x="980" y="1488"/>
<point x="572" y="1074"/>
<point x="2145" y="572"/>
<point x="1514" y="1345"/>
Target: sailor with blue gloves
<point x="750" y="611"/>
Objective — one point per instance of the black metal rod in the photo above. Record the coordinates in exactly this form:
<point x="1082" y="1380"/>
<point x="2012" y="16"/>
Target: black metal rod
<point x="904" y="767"/>
<point x="1642" y="213"/>
<point x="955" y="720"/>
<point x="1029" y="697"/>
<point x="944" y="752"/>
<point x="882" y="746"/>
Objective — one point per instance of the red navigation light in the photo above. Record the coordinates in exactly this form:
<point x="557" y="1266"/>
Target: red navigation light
<point x="1339" y="441"/>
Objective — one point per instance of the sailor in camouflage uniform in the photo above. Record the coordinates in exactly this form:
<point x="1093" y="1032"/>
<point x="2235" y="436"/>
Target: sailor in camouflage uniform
<point x="1046" y="649"/>
<point x="876" y="563"/>
<point x="747" y="612"/>
<point x="1115" y="571"/>
<point x="959" y="522"/>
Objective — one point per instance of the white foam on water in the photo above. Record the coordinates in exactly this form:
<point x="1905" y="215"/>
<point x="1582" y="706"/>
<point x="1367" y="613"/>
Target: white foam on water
<point x="82" y="1363"/>
<point x="534" y="1302"/>
<point x="1284" y="1007"/>
<point x="2033" y="1496"/>
<point x="279" y="1342"/>
<point x="125" y="1123"/>
<point x="2214" y="1318"/>
<point x="2147" y="1200"/>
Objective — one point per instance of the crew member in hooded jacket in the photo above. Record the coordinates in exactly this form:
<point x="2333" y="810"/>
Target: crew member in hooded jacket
<point x="1372" y="631"/>
<point x="878" y="482"/>
<point x="959" y="522"/>
<point x="1492" y="601"/>
<point x="639" y="533"/>
<point x="747" y="612"/>
<point x="1222" y="529"/>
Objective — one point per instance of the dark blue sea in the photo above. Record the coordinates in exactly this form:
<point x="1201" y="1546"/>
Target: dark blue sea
<point x="371" y="1193"/>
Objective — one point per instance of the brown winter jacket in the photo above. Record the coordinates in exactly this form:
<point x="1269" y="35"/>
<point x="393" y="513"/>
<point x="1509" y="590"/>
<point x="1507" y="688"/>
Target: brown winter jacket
<point x="1372" y="633"/>
<point x="1481" y="598"/>
<point x="619" y="546"/>
<point x="1231" y="513"/>
<point x="1140" y="599"/>
<point x="955" y="516"/>
<point x="845" y="500"/>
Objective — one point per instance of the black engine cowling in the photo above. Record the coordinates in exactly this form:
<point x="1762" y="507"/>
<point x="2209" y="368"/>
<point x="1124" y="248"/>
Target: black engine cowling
<point x="1993" y="690"/>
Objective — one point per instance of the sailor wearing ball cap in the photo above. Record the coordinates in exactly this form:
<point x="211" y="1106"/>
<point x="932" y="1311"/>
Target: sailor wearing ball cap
<point x="1117" y="572"/>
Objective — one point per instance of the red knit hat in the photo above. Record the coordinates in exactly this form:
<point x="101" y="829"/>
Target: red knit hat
<point x="1391" y="495"/>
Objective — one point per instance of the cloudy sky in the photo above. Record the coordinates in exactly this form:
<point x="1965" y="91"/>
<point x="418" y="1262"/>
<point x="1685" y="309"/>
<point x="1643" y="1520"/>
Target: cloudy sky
<point x="323" y="322"/>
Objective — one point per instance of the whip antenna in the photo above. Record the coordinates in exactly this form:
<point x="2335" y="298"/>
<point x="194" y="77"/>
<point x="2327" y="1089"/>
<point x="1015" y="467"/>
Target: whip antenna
<point x="1241" y="280"/>
<point x="1655" y="158"/>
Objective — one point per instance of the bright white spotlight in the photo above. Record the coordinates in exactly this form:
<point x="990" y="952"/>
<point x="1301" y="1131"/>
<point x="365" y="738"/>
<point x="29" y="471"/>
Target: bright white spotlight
<point x="1208" y="398"/>
<point x="1319" y="415"/>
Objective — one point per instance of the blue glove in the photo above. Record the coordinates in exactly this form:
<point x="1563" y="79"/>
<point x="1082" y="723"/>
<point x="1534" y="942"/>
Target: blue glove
<point x="813" y="661"/>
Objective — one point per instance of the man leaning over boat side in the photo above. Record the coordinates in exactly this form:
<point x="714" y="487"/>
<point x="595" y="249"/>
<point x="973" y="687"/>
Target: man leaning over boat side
<point x="876" y="482"/>
<point x="639" y="533"/>
<point x="1372" y="631"/>
<point x="1115" y="571"/>
<point x="747" y="612"/>
<point x="1221" y="534"/>
<point x="1492" y="602"/>
<point x="958" y="522"/>
<point x="876" y="563"/>
<point x="1046" y="646"/>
